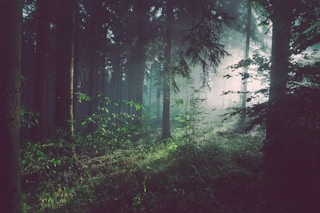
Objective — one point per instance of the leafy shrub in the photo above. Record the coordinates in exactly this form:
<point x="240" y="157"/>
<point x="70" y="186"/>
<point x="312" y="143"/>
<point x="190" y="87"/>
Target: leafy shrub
<point x="109" y="130"/>
<point x="47" y="158"/>
<point x="192" y="120"/>
<point x="28" y="118"/>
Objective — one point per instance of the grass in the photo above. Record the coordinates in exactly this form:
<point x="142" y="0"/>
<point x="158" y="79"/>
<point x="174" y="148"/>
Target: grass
<point x="222" y="174"/>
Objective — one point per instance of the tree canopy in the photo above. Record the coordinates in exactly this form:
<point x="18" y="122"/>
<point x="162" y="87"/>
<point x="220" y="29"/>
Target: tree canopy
<point x="161" y="106"/>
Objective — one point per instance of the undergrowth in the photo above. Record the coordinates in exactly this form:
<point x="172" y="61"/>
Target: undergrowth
<point x="222" y="174"/>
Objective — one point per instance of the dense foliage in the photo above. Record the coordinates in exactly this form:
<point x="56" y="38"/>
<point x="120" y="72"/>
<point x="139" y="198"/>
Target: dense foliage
<point x="120" y="110"/>
<point x="220" y="174"/>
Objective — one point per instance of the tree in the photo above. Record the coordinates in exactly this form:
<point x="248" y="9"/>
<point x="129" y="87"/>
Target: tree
<point x="282" y="18"/>
<point x="95" y="47"/>
<point x="167" y="71"/>
<point x="41" y="69"/>
<point x="294" y="184"/>
<point x="10" y="63"/>
<point x="194" y="29"/>
<point x="116" y="79"/>
<point x="140" y="36"/>
<point x="65" y="65"/>
<point x="242" y="122"/>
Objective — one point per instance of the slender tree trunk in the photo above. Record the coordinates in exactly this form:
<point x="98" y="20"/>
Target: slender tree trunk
<point x="105" y="76"/>
<point x="166" y="130"/>
<point x="65" y="65"/>
<point x="10" y="63"/>
<point x="242" y="122"/>
<point x="158" y="105"/>
<point x="141" y="11"/>
<point x="140" y="70"/>
<point x="131" y="82"/>
<point x="77" y="66"/>
<point x="136" y="79"/>
<point x="116" y="77"/>
<point x="150" y="89"/>
<point x="93" y="87"/>
<point x="93" y="56"/>
<point x="42" y="60"/>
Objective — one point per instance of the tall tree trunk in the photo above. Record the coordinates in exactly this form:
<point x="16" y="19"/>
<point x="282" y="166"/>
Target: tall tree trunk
<point x="116" y="78"/>
<point x="42" y="60"/>
<point x="93" y="75"/>
<point x="277" y="146"/>
<point x="77" y="69"/>
<point x="242" y="122"/>
<point x="93" y="66"/>
<point x="10" y="63"/>
<point x="141" y="11"/>
<point x="131" y="82"/>
<point x="166" y="130"/>
<point x="140" y="70"/>
<point x="136" y="79"/>
<point x="150" y="90"/>
<point x="105" y="75"/>
<point x="280" y="53"/>
<point x="158" y="105"/>
<point x="65" y="65"/>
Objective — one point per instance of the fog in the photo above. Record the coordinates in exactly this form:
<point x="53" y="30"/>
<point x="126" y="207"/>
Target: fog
<point x="225" y="83"/>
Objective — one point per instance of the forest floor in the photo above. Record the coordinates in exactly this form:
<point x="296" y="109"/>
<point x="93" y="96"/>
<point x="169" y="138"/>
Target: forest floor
<point x="221" y="174"/>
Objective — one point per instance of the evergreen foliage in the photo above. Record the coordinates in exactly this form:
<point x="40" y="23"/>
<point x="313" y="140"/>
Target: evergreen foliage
<point x="126" y="106"/>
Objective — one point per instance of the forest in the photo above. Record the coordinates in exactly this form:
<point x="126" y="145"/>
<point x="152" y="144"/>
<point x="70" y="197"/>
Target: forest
<point x="156" y="106"/>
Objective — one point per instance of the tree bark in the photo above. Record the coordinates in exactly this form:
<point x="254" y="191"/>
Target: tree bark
<point x="280" y="53"/>
<point x="166" y="130"/>
<point x="242" y="123"/>
<point x="116" y="79"/>
<point x="10" y="63"/>
<point x="65" y="65"/>
<point x="142" y="9"/>
<point x="278" y="155"/>
<point x="93" y="56"/>
<point x="42" y="59"/>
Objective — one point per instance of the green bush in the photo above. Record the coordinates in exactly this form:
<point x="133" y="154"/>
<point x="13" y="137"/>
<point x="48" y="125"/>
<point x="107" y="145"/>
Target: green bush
<point x="108" y="130"/>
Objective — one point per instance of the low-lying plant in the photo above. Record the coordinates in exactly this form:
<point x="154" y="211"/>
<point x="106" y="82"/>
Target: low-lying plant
<point x="220" y="175"/>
